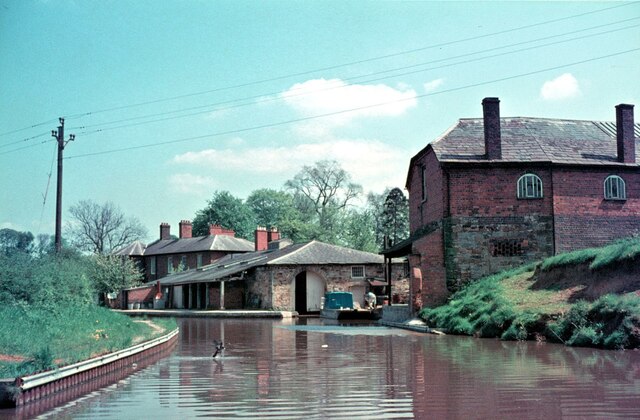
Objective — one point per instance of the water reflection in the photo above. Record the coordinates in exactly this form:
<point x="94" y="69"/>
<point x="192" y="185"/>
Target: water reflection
<point x="311" y="369"/>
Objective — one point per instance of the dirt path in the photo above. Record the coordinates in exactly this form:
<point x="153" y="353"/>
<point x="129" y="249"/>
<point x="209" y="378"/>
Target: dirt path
<point x="158" y="329"/>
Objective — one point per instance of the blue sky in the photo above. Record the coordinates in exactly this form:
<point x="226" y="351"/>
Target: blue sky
<point x="170" y="101"/>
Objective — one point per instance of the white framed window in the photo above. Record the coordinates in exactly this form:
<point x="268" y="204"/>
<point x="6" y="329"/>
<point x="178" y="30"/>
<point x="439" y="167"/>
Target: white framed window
<point x="183" y="262"/>
<point x="614" y="188"/>
<point x="357" y="271"/>
<point x="529" y="186"/>
<point x="152" y="263"/>
<point x="169" y="265"/>
<point x="198" y="260"/>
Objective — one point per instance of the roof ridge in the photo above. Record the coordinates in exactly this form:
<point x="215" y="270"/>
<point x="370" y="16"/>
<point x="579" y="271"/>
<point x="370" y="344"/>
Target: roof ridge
<point x="291" y="253"/>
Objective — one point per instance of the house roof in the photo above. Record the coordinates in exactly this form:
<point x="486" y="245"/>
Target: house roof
<point x="535" y="140"/>
<point x="199" y="244"/>
<point x="134" y="249"/>
<point x="309" y="253"/>
<point x="532" y="140"/>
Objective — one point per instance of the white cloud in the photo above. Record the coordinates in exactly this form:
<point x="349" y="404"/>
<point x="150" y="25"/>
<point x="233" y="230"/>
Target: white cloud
<point x="562" y="87"/>
<point x="188" y="183"/>
<point x="433" y="85"/>
<point x="371" y="163"/>
<point x="321" y="96"/>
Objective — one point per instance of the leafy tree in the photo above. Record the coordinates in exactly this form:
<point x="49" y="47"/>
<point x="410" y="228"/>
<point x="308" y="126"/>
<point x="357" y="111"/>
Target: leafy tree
<point x="273" y="208"/>
<point x="102" y="228"/>
<point x="395" y="216"/>
<point x="47" y="281"/>
<point x="13" y="241"/>
<point x="358" y="231"/>
<point x="323" y="191"/>
<point x="111" y="273"/>
<point x="227" y="211"/>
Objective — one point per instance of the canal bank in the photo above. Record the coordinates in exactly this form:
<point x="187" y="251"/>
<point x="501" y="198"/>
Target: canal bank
<point x="77" y="378"/>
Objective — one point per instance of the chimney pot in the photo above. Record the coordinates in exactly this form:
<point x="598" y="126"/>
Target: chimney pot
<point x="491" y="120"/>
<point x="186" y="229"/>
<point x="165" y="230"/>
<point x="625" y="137"/>
<point x="261" y="238"/>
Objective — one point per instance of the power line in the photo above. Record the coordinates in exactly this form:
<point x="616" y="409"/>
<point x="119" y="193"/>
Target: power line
<point x="46" y="133"/>
<point x="269" y="97"/>
<point x="332" y="67"/>
<point x="270" y="125"/>
<point x="29" y="127"/>
<point x="367" y="60"/>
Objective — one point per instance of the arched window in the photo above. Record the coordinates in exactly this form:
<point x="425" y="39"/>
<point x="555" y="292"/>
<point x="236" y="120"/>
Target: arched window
<point x="529" y="186"/>
<point x="614" y="188"/>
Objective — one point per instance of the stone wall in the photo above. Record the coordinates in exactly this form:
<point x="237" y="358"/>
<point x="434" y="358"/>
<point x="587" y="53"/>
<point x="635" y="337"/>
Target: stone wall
<point x="271" y="287"/>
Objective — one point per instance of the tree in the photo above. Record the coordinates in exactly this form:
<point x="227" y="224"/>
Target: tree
<point x="395" y="216"/>
<point x="102" y="228"/>
<point x="13" y="241"/>
<point x="273" y="208"/>
<point x="111" y="273"/>
<point x="324" y="191"/>
<point x="227" y="211"/>
<point x="358" y="231"/>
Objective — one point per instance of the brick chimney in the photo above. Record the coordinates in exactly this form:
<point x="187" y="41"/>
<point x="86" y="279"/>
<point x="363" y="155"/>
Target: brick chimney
<point x="219" y="230"/>
<point x="261" y="238"/>
<point x="165" y="230"/>
<point x="273" y="235"/>
<point x="625" y="137"/>
<point x="492" y="139"/>
<point x="186" y="229"/>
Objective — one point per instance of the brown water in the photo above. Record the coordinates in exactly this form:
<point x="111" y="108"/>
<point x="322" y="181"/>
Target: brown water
<point x="314" y="369"/>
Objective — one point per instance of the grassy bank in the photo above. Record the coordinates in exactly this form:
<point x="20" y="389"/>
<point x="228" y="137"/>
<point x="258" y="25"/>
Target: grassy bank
<point x="36" y="338"/>
<point x="514" y="306"/>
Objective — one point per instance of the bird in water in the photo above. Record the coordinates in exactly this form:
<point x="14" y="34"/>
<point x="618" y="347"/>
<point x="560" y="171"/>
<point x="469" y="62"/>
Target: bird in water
<point x="219" y="345"/>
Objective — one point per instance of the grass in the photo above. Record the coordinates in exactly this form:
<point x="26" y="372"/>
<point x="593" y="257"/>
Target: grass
<point x="505" y="305"/>
<point x="40" y="339"/>
<point x="618" y="251"/>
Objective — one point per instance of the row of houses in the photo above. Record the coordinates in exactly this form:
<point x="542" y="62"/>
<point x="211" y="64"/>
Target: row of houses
<point x="490" y="194"/>
<point x="220" y="271"/>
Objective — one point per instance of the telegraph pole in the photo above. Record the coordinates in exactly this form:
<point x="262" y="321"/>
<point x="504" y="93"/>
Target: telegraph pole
<point x="59" y="136"/>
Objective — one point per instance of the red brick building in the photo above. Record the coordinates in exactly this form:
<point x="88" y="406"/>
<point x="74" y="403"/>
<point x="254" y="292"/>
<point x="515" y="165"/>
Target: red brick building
<point x="169" y="254"/>
<point x="494" y="193"/>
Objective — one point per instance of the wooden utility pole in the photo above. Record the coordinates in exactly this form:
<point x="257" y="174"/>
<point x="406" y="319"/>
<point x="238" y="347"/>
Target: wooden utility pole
<point x="59" y="136"/>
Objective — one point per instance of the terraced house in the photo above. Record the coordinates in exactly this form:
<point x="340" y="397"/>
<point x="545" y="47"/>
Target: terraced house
<point x="493" y="193"/>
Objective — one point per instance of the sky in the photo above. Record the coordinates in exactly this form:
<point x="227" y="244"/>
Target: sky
<point x="171" y="101"/>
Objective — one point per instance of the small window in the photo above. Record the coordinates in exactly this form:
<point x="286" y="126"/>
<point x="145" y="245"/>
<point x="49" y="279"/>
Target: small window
<point x="357" y="272"/>
<point x="183" y="262"/>
<point x="198" y="260"/>
<point x="169" y="265"/>
<point x="152" y="263"/>
<point x="529" y="186"/>
<point x="614" y="188"/>
<point x="507" y="247"/>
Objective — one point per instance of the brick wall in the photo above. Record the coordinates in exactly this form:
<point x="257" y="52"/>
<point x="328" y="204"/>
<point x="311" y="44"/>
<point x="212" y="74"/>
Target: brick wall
<point x="143" y="295"/>
<point x="421" y="211"/>
<point x="583" y="218"/>
<point x="234" y="295"/>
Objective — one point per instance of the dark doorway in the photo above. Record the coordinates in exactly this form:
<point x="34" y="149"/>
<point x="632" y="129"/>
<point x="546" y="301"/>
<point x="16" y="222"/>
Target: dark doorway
<point x="194" y="296"/>
<point x="185" y="296"/>
<point x="301" y="293"/>
<point x="203" y="295"/>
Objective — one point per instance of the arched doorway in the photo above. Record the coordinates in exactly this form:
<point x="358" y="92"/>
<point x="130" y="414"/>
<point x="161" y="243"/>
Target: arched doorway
<point x="308" y="291"/>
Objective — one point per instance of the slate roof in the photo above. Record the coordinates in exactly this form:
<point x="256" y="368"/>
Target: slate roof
<point x="309" y="253"/>
<point x="134" y="249"/>
<point x="527" y="139"/>
<point x="199" y="244"/>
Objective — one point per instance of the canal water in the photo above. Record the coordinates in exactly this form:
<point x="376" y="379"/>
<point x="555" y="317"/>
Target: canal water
<point x="313" y="368"/>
